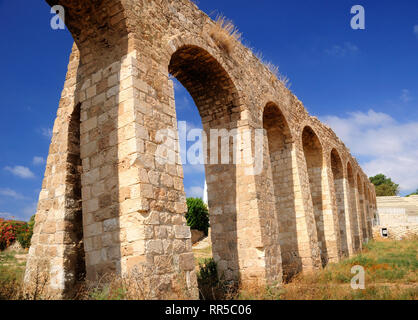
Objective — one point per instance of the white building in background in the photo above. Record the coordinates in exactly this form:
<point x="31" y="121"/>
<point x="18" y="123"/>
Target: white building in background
<point x="205" y="193"/>
<point x="397" y="217"/>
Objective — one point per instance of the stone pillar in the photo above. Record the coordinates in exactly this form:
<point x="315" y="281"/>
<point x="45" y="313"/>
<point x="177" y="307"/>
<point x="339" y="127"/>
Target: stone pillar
<point x="309" y="250"/>
<point x="354" y="200"/>
<point x="350" y="225"/>
<point x="330" y="214"/>
<point x="56" y="255"/>
<point x="361" y="212"/>
<point x="257" y="234"/>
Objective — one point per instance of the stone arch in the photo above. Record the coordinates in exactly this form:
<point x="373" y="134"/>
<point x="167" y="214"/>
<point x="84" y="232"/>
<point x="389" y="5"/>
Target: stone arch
<point x="215" y="96"/>
<point x="362" y="208"/>
<point x="208" y="83"/>
<point x="315" y="165"/>
<point x="339" y="188"/>
<point x="353" y="202"/>
<point x="184" y="41"/>
<point x="280" y="163"/>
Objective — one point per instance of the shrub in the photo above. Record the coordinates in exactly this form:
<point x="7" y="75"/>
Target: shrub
<point x="208" y="271"/>
<point x="225" y="34"/>
<point x="25" y="233"/>
<point x="197" y="215"/>
<point x="10" y="231"/>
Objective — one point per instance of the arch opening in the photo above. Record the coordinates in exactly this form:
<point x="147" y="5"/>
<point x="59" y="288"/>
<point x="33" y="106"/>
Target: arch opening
<point x="215" y="97"/>
<point x="314" y="162"/>
<point x="339" y="188"/>
<point x="279" y="159"/>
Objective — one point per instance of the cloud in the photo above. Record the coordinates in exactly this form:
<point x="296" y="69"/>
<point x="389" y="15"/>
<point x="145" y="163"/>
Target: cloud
<point x="194" y="192"/>
<point x="21" y="172"/>
<point x="46" y="132"/>
<point x="406" y="96"/>
<point x="6" y="215"/>
<point x="11" y="194"/>
<point x="416" y="30"/>
<point x="38" y="161"/>
<point x="388" y="147"/>
<point x="342" y="50"/>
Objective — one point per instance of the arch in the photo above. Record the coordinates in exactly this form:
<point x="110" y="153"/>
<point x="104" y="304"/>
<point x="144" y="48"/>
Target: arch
<point x="315" y="165"/>
<point x="361" y="211"/>
<point x="216" y="98"/>
<point x="354" y="209"/>
<point x="339" y="189"/>
<point x="280" y="163"/>
<point x="208" y="83"/>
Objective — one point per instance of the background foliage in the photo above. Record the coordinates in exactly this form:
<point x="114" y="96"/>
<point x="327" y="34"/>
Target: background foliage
<point x="11" y="231"/>
<point x="197" y="215"/>
<point x="385" y="187"/>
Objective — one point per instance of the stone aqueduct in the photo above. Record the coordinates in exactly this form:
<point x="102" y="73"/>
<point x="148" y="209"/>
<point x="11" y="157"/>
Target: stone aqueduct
<point x="107" y="206"/>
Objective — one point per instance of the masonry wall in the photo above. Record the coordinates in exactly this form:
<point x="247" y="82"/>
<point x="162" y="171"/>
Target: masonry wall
<point x="133" y="202"/>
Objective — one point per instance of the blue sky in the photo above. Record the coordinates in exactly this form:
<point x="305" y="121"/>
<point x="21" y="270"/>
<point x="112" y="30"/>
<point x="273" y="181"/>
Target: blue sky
<point x="361" y="82"/>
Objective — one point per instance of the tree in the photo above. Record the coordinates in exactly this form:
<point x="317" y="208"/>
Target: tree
<point x="197" y="215"/>
<point x="385" y="187"/>
<point x="413" y="194"/>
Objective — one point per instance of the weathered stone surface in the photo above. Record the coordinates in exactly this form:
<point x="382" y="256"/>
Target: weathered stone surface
<point x="106" y="193"/>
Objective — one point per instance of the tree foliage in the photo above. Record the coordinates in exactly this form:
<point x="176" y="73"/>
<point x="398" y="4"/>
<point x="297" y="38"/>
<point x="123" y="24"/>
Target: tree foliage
<point x="413" y="194"/>
<point x="197" y="215"/>
<point x="385" y="187"/>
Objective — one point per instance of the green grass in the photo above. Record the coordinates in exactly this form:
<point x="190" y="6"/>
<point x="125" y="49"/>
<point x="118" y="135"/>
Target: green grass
<point x="10" y="268"/>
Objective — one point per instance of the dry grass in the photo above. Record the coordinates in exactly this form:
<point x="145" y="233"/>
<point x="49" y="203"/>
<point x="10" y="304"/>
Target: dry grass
<point x="391" y="274"/>
<point x="276" y="74"/>
<point x="135" y="286"/>
<point x="225" y="34"/>
<point x="12" y="269"/>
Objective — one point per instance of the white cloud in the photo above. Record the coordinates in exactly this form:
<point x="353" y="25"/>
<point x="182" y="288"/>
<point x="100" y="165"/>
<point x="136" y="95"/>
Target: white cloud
<point x="46" y="132"/>
<point x="342" y="50"/>
<point x="6" y="215"/>
<point x="416" y="30"/>
<point x="194" y="192"/>
<point x="11" y="194"/>
<point x="390" y="147"/>
<point x="38" y="161"/>
<point x="406" y="96"/>
<point x="20" y="171"/>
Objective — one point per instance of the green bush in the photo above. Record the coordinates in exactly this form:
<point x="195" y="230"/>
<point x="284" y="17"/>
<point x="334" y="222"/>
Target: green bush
<point x="208" y="271"/>
<point x="197" y="215"/>
<point x="11" y="231"/>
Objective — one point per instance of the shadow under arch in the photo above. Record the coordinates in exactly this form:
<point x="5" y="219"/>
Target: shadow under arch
<point x="353" y="214"/>
<point x="338" y="178"/>
<point x="314" y="158"/>
<point x="216" y="98"/>
<point x="280" y="173"/>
